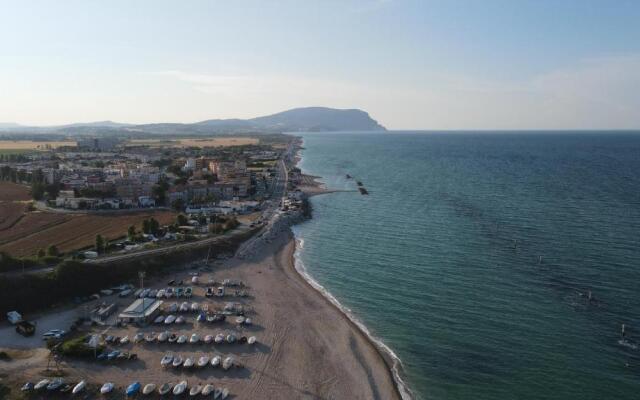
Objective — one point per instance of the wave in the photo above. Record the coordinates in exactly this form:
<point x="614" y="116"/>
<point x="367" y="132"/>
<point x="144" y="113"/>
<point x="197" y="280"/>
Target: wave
<point x="396" y="363"/>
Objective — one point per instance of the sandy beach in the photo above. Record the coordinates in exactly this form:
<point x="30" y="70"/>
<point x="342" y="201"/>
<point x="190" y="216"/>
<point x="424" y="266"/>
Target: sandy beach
<point x="307" y="349"/>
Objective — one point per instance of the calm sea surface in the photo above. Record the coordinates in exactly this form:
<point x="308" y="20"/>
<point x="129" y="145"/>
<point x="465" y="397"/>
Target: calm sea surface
<point x="442" y="259"/>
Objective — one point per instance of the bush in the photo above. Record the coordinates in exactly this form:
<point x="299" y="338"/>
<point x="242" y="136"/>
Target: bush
<point x="78" y="348"/>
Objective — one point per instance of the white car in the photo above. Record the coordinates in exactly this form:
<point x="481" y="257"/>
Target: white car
<point x="53" y="334"/>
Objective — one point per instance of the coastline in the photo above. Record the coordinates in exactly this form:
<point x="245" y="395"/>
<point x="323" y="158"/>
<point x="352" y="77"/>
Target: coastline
<point x="311" y="186"/>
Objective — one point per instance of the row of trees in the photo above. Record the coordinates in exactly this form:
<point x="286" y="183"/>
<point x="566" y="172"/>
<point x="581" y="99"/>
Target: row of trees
<point x="13" y="157"/>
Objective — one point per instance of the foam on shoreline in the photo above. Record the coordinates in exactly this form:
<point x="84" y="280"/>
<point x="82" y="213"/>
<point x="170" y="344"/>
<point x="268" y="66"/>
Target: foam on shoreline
<point x="392" y="359"/>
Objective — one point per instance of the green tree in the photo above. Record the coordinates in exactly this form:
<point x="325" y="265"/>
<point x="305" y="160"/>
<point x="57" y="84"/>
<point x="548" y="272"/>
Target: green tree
<point x="182" y="220"/>
<point x="52" y="190"/>
<point x="52" y="251"/>
<point x="131" y="233"/>
<point x="178" y="204"/>
<point x="41" y="253"/>
<point x="146" y="226"/>
<point x="154" y="225"/>
<point x="37" y="190"/>
<point x="100" y="244"/>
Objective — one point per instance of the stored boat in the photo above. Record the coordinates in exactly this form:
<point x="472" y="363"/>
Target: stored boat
<point x="170" y="319"/>
<point x="219" y="338"/>
<point x="251" y="340"/>
<point x="207" y="389"/>
<point x="132" y="389"/>
<point x="180" y="320"/>
<point x="106" y="388"/>
<point x="79" y="387"/>
<point x="27" y="387"/>
<point x="124" y="340"/>
<point x="208" y="339"/>
<point x="42" y="384"/>
<point x="203" y="361"/>
<point x="195" y="338"/>
<point x="180" y="388"/>
<point x="181" y="339"/>
<point x="55" y="384"/>
<point x="231" y="338"/>
<point x="148" y="388"/>
<point x="195" y="390"/>
<point x="215" y="361"/>
<point x="172" y="338"/>
<point x="184" y="307"/>
<point x="159" y="319"/>
<point x="163" y="336"/>
<point x="165" y="388"/>
<point x="166" y="360"/>
<point x="177" y="361"/>
<point x="188" y="363"/>
<point x="227" y="363"/>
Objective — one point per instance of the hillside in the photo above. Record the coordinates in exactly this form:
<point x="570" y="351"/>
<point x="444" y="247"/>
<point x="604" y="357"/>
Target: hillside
<point x="308" y="119"/>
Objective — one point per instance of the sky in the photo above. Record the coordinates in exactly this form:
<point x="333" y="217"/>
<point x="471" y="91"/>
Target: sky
<point x="475" y="64"/>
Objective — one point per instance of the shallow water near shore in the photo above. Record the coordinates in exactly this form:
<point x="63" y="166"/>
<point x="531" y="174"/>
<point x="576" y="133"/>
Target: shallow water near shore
<point x="473" y="256"/>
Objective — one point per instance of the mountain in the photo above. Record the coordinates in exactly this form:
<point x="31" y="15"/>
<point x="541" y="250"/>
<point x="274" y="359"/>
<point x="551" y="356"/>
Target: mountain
<point x="308" y="119"/>
<point x="69" y="128"/>
<point x="313" y="119"/>
<point x="9" y="125"/>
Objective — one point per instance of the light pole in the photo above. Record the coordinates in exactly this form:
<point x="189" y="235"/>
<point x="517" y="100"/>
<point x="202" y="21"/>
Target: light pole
<point x="141" y="275"/>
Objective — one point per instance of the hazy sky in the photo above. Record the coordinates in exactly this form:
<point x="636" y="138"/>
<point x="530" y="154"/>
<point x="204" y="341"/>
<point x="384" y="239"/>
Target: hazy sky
<point x="425" y="64"/>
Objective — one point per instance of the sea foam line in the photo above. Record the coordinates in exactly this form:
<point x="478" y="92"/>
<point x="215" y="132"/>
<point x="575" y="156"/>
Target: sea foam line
<point x="396" y="366"/>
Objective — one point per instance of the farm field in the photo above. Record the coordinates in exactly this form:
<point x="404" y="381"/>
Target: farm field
<point x="13" y="192"/>
<point x="37" y="230"/>
<point x="211" y="142"/>
<point x="33" y="145"/>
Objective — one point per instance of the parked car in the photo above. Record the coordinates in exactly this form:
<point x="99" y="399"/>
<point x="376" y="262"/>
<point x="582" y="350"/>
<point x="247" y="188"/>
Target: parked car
<point x="54" y="334"/>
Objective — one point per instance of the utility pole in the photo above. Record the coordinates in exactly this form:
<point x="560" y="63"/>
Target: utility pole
<point x="141" y="275"/>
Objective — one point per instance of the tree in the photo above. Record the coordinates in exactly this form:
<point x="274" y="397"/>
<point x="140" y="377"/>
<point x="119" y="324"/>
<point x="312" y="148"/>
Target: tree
<point x="182" y="220"/>
<point x="145" y="226"/>
<point x="178" y="204"/>
<point x="52" y="251"/>
<point x="52" y="190"/>
<point x="154" y="226"/>
<point x="41" y="253"/>
<point x="131" y="233"/>
<point x="37" y="190"/>
<point x="159" y="193"/>
<point x="100" y="244"/>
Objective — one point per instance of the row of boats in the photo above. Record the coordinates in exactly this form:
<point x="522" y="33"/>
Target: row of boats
<point x="55" y="385"/>
<point x="176" y="361"/>
<point x="59" y="385"/>
<point x="164" y="293"/>
<point x="195" y="338"/>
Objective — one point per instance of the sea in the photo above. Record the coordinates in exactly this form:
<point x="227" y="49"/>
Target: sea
<point x="486" y="265"/>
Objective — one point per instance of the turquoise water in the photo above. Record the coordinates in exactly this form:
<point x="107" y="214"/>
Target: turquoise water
<point x="442" y="260"/>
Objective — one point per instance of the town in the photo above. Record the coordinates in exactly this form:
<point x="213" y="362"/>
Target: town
<point x="181" y="188"/>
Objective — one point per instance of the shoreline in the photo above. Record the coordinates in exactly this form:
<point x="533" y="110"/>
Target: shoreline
<point x="392" y="362"/>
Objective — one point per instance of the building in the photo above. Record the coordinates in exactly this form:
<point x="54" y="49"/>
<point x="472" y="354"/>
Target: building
<point x="141" y="311"/>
